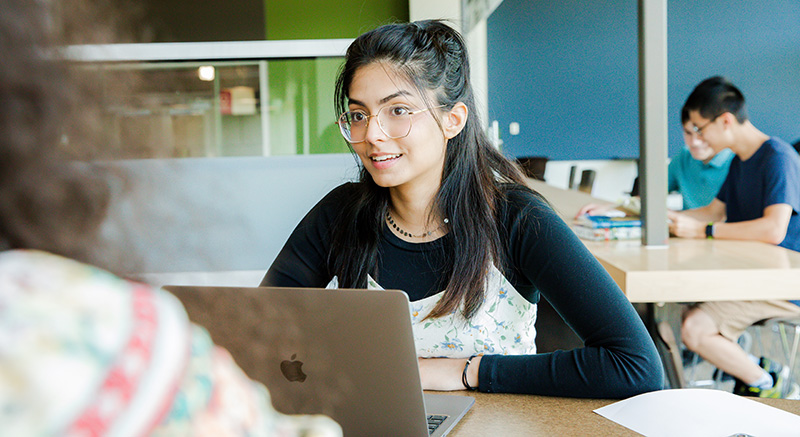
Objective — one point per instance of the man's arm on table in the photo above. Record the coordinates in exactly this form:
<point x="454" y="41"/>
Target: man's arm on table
<point x="770" y="228"/>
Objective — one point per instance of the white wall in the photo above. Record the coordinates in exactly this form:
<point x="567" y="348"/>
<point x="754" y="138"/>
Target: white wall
<point x="435" y="9"/>
<point x="476" y="44"/>
<point x="613" y="181"/>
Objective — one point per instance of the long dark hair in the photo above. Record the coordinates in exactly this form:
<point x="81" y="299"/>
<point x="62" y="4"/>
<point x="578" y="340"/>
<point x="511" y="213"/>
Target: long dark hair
<point x="433" y="57"/>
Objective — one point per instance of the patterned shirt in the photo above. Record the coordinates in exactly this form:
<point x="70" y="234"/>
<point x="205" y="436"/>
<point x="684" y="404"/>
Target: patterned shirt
<point x="504" y="323"/>
<point x="83" y="352"/>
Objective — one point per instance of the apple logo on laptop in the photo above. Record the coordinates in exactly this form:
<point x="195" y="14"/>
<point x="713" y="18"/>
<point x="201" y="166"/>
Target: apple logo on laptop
<point x="292" y="370"/>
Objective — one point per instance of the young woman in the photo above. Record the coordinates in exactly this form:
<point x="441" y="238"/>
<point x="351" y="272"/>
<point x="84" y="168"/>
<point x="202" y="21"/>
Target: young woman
<point x="442" y="215"/>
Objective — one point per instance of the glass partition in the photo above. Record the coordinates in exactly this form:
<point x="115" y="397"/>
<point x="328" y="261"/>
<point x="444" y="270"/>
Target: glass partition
<point x="271" y="101"/>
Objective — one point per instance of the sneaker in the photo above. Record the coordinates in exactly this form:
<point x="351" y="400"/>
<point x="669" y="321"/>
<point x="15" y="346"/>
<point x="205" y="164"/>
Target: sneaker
<point x="773" y="367"/>
<point x="776" y="391"/>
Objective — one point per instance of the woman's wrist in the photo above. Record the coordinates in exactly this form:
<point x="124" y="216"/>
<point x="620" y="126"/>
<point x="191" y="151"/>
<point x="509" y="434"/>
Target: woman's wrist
<point x="469" y="376"/>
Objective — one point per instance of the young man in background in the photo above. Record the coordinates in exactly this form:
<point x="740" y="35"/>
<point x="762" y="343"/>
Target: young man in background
<point x="759" y="201"/>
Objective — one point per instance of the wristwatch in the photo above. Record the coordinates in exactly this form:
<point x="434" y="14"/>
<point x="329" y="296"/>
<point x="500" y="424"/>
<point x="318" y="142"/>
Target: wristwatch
<point x="710" y="230"/>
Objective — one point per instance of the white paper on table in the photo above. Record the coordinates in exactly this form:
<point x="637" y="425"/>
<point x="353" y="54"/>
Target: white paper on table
<point x="700" y="412"/>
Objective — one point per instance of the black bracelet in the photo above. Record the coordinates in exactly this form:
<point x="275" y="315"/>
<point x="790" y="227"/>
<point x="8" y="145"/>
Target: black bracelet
<point x="710" y="230"/>
<point x="464" y="375"/>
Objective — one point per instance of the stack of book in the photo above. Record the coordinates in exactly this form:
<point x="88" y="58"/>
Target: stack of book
<point x="600" y="227"/>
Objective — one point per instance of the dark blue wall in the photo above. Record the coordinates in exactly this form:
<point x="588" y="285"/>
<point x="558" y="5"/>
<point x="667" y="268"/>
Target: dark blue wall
<point x="567" y="70"/>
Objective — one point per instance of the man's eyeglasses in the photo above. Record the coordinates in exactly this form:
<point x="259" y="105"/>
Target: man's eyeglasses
<point x="699" y="129"/>
<point x="394" y="121"/>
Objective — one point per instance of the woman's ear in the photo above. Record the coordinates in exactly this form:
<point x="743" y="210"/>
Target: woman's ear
<point x="455" y="120"/>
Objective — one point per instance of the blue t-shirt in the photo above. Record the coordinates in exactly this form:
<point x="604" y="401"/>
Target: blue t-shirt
<point x="771" y="176"/>
<point x="697" y="182"/>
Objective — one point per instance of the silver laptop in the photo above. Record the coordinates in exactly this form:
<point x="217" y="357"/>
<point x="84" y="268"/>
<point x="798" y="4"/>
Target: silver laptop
<point x="348" y="354"/>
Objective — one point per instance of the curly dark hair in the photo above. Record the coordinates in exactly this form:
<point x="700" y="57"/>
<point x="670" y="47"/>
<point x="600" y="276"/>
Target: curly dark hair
<point x="51" y="197"/>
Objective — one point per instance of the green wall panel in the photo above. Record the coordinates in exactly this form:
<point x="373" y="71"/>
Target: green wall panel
<point x="320" y="19"/>
<point x="298" y="84"/>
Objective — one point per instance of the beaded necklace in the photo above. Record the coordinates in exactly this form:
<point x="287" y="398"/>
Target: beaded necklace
<point x="390" y="220"/>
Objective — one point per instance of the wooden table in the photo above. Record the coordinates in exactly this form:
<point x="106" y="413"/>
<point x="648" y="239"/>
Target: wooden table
<point x="699" y="270"/>
<point x="511" y="415"/>
<point x="687" y="270"/>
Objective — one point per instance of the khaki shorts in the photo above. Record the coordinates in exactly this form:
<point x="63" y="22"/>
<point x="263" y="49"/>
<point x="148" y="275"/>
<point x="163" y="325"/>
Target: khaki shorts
<point x="733" y="317"/>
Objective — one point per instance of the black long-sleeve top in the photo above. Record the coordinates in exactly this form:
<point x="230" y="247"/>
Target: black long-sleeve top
<point x="543" y="256"/>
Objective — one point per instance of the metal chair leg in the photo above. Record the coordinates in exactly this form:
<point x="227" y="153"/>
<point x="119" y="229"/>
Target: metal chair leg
<point x="791" y="356"/>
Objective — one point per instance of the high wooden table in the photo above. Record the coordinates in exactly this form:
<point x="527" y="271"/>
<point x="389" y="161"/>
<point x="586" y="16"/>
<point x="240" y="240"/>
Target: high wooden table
<point x="687" y="270"/>
<point x="695" y="270"/>
<point x="511" y="415"/>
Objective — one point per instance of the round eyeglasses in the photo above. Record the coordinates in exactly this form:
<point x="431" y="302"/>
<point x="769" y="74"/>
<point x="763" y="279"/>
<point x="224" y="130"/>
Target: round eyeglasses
<point x="394" y="121"/>
<point x="698" y="130"/>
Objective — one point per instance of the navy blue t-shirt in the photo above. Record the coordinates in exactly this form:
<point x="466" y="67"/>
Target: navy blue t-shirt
<point x="770" y="177"/>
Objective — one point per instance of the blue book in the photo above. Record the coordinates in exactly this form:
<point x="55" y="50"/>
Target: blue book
<point x="601" y="221"/>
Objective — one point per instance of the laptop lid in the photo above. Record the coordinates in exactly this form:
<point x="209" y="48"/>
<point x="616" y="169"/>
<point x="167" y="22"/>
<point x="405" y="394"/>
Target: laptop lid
<point x="348" y="354"/>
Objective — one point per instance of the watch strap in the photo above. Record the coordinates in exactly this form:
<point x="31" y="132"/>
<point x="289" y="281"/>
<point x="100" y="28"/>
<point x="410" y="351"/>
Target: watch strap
<point x="710" y="230"/>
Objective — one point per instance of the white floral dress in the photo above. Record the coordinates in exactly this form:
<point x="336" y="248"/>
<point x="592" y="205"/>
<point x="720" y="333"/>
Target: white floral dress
<point x="503" y="325"/>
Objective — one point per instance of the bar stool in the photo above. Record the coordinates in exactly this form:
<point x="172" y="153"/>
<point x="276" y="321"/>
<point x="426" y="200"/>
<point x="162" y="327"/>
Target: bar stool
<point x="780" y="325"/>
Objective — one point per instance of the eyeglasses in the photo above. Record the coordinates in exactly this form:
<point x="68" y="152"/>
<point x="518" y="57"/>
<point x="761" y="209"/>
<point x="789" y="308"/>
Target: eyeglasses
<point x="394" y="121"/>
<point x="699" y="130"/>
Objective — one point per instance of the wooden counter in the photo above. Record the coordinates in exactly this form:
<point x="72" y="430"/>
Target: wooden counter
<point x="687" y="270"/>
<point x="695" y="270"/>
<point x="511" y="415"/>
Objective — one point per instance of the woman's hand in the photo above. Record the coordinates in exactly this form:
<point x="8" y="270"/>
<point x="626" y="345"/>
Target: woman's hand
<point x="444" y="374"/>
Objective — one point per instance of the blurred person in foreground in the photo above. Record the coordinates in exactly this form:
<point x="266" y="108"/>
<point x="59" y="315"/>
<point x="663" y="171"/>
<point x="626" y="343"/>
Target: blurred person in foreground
<point x="83" y="351"/>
